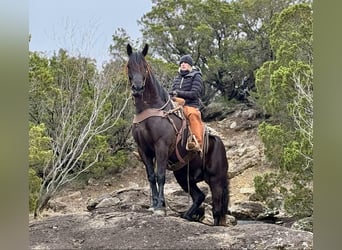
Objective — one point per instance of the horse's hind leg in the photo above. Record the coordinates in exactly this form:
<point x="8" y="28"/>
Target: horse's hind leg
<point x="195" y="213"/>
<point x="220" y="196"/>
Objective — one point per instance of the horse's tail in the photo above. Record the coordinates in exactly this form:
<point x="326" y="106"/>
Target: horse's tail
<point x="221" y="171"/>
<point x="225" y="195"/>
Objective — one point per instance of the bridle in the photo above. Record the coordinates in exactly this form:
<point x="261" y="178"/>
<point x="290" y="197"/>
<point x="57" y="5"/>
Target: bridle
<point x="145" y="75"/>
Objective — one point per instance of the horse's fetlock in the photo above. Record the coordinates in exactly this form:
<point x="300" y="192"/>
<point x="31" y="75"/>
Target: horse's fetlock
<point x="161" y="180"/>
<point x="201" y="198"/>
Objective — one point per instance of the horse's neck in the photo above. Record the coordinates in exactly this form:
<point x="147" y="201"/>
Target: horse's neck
<point x="144" y="102"/>
<point x="141" y="105"/>
<point x="150" y="99"/>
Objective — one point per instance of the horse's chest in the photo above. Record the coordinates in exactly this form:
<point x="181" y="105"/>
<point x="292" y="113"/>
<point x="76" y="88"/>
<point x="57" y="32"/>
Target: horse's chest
<point x="145" y="132"/>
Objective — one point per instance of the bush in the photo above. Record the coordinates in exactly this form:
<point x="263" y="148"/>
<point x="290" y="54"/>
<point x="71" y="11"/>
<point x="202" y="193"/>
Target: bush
<point x="34" y="187"/>
<point x="285" y="190"/>
<point x="265" y="190"/>
<point x="285" y="91"/>
<point x="107" y="165"/>
<point x="299" y="201"/>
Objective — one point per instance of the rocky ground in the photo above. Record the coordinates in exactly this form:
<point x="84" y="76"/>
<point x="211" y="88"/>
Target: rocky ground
<point x="117" y="216"/>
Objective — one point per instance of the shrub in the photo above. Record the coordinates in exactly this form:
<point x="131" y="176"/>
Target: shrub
<point x="34" y="187"/>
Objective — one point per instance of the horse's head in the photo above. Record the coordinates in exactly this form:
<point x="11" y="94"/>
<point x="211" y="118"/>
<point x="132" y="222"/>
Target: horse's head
<point x="137" y="69"/>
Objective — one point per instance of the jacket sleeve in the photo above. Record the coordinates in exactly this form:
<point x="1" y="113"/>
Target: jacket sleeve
<point x="174" y="84"/>
<point x="196" y="88"/>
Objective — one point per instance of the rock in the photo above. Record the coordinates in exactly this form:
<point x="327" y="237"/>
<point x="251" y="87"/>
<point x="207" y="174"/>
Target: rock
<point x="57" y="206"/>
<point x="92" y="181"/>
<point x="92" y="203"/>
<point x="133" y="230"/>
<point x="233" y="125"/>
<point x="305" y="224"/>
<point x="247" y="210"/>
<point x="249" y="114"/>
<point x="247" y="190"/>
<point x="215" y="111"/>
<point x="107" y="202"/>
<point x="239" y="166"/>
<point x="75" y="195"/>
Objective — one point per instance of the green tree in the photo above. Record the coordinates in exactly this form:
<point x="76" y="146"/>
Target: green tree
<point x="34" y="187"/>
<point x="40" y="146"/>
<point x="285" y="91"/>
<point x="40" y="153"/>
<point x="227" y="39"/>
<point x="79" y="106"/>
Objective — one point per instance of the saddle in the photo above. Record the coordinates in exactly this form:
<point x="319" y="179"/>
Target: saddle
<point x="185" y="133"/>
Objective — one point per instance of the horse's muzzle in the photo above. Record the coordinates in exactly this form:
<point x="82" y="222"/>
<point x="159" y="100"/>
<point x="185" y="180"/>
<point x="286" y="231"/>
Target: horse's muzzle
<point x="137" y="90"/>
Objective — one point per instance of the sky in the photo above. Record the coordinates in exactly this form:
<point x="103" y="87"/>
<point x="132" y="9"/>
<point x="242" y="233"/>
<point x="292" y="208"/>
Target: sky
<point x="82" y="27"/>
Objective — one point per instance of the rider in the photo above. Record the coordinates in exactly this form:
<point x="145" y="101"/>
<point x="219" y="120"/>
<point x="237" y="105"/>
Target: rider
<point x="187" y="86"/>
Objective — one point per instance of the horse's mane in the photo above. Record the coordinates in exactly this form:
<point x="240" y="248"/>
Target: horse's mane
<point x="162" y="91"/>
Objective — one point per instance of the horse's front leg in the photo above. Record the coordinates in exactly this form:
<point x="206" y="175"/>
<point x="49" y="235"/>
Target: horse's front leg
<point x="151" y="176"/>
<point x="161" y="171"/>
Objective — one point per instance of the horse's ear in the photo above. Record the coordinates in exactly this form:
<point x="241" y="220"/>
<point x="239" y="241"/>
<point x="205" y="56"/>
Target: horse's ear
<point x="144" y="52"/>
<point x="129" y="49"/>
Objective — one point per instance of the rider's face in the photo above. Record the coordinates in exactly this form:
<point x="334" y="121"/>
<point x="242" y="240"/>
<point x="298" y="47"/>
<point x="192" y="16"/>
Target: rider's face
<point x="185" y="66"/>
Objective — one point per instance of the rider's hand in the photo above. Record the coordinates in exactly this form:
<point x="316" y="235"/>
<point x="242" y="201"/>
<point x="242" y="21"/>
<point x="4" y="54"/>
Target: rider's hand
<point x="173" y="93"/>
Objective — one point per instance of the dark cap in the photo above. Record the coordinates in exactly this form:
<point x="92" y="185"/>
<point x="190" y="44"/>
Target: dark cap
<point x="187" y="59"/>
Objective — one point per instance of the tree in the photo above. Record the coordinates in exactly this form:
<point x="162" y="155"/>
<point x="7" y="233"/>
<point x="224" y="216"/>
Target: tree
<point x="78" y="105"/>
<point x="39" y="155"/>
<point x="228" y="40"/>
<point x="285" y="90"/>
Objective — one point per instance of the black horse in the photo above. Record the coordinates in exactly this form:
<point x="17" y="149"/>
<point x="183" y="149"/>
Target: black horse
<point x="157" y="131"/>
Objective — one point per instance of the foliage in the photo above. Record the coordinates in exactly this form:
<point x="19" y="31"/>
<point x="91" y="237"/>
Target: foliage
<point x="40" y="152"/>
<point x="273" y="137"/>
<point x="34" y="187"/>
<point x="227" y="39"/>
<point x="285" y="91"/>
<point x="108" y="166"/>
<point x="264" y="189"/>
<point x="73" y="110"/>
<point x="299" y="201"/>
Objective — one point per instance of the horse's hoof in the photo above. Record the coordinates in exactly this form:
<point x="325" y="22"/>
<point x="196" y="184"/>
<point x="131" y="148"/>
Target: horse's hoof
<point x="187" y="217"/>
<point x="198" y="215"/>
<point x="150" y="209"/>
<point x="159" y="212"/>
<point x="220" y="221"/>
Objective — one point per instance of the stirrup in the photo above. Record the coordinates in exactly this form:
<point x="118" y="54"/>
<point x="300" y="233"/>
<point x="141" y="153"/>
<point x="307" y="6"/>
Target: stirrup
<point x="193" y="145"/>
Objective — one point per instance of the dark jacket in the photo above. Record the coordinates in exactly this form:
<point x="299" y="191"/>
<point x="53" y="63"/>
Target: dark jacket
<point x="188" y="86"/>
